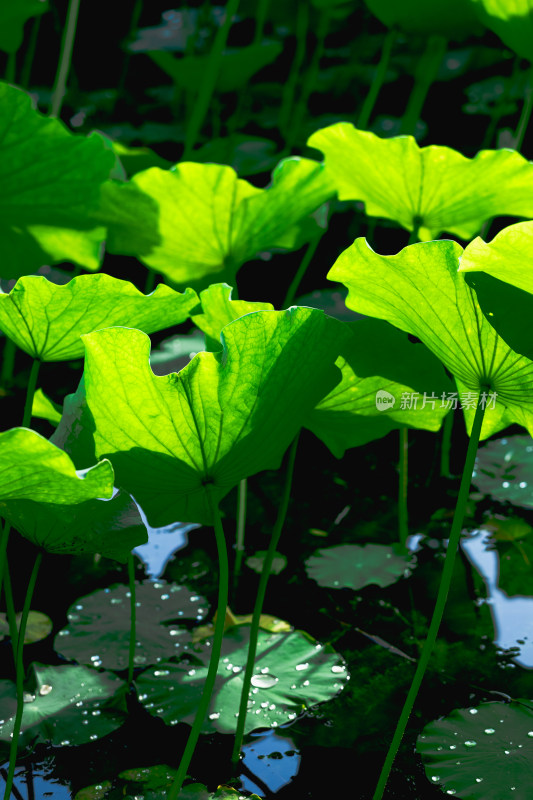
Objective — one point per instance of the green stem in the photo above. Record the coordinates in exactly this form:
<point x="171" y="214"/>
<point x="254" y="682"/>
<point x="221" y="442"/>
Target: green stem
<point x="425" y="73"/>
<point x="25" y="75"/>
<point x="30" y="392"/>
<point x="260" y="18"/>
<point x="10" y="611"/>
<point x="67" y="44"/>
<point x="8" y="362"/>
<point x="201" y="104"/>
<point x="403" y="526"/>
<point x="134" y="22"/>
<point x="11" y="68"/>
<point x="289" y="87"/>
<point x="150" y="281"/>
<point x="309" y="82"/>
<point x="4" y="538"/>
<point x="259" y="600"/>
<point x="20" y="676"/>
<point x="440" y="603"/>
<point x="525" y="116"/>
<point x="209" y="684"/>
<point x="302" y="269"/>
<point x="379" y="77"/>
<point x="446" y="446"/>
<point x="133" y="618"/>
<point x="239" y="537"/>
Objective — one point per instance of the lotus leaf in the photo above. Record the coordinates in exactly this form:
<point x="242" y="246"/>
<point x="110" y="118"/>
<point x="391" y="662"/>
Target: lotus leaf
<point x="427" y="189"/>
<point x="353" y="566"/>
<point x="47" y="320"/>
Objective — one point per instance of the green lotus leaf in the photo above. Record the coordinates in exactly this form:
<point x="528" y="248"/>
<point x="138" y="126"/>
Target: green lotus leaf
<point x="503" y="287"/>
<point x="420" y="291"/>
<point x="44" y="408"/>
<point x="109" y="527"/>
<point x="154" y="783"/>
<point x="224" y="417"/>
<point x="235" y="70"/>
<point x="353" y="566"/>
<point x="174" y="353"/>
<point x="218" y="310"/>
<point x="256" y="561"/>
<point x="515" y="559"/>
<point x="511" y="20"/>
<point x="291" y="674"/>
<point x="38" y="626"/>
<point x="387" y="382"/>
<point x="66" y="705"/>
<point x="13" y="15"/>
<point x="51" y="182"/>
<point x="31" y="468"/>
<point x="198" y="223"/>
<point x="481" y="753"/>
<point x="47" y="320"/>
<point x="451" y="18"/>
<point x="504" y="470"/>
<point x="429" y="189"/>
<point x="99" y="624"/>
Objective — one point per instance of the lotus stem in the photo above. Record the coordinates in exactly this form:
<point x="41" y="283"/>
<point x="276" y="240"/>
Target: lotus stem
<point x="260" y="19"/>
<point x="67" y="44"/>
<point x="379" y="78"/>
<point x="440" y="603"/>
<point x="259" y="600"/>
<point x="425" y="73"/>
<point x="20" y="676"/>
<point x="289" y="88"/>
<point x="446" y="446"/>
<point x="30" y="53"/>
<point x="302" y="269"/>
<point x="209" y="685"/>
<point x="8" y="362"/>
<point x="30" y="392"/>
<point x="10" y="613"/>
<point x="203" y="101"/>
<point x="133" y="618"/>
<point x="525" y="116"/>
<point x="403" y="525"/>
<point x="242" y="491"/>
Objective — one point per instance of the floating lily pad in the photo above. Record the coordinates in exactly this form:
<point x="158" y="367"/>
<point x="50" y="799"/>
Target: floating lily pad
<point x="504" y="470"/>
<point x="66" y="705"/>
<point x="433" y="188"/>
<point x="51" y="182"/>
<point x="38" y="626"/>
<point x="256" y="561"/>
<point x="47" y="320"/>
<point x="353" y="566"/>
<point x="109" y="527"/>
<point x="481" y="753"/>
<point x="292" y="673"/>
<point x="99" y="624"/>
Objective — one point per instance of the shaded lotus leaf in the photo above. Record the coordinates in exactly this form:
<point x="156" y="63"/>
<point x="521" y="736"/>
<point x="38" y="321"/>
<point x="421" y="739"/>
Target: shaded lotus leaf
<point x="331" y="301"/>
<point x="51" y="182"/>
<point x="504" y="470"/>
<point x="248" y="155"/>
<point x="511" y="20"/>
<point x="420" y="291"/>
<point x="38" y="626"/>
<point x="46" y="320"/>
<point x="65" y="705"/>
<point x="353" y="566"/>
<point x="137" y="159"/>
<point x="198" y="223"/>
<point x="255" y="562"/>
<point x="218" y="310"/>
<point x="481" y="753"/>
<point x="451" y="18"/>
<point x="292" y="673"/>
<point x="111" y="528"/>
<point x="224" y="417"/>
<point x="235" y="69"/>
<point x="504" y="288"/>
<point x="13" y="15"/>
<point x="99" y="624"/>
<point x="507" y="529"/>
<point x="430" y="189"/>
<point x="515" y="560"/>
<point x="31" y="468"/>
<point x="44" y="408"/>
<point x="387" y="383"/>
<point x="174" y="353"/>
